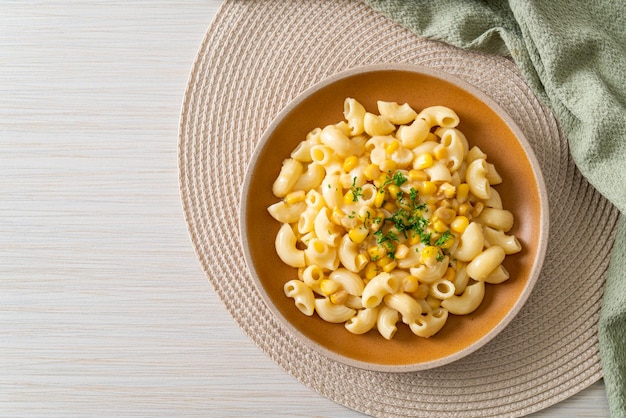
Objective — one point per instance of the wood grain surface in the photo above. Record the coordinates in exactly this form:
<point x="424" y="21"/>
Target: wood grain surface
<point x="104" y="310"/>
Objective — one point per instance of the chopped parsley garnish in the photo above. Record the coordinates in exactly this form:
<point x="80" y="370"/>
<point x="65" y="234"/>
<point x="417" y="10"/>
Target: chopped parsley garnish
<point x="444" y="238"/>
<point x="356" y="191"/>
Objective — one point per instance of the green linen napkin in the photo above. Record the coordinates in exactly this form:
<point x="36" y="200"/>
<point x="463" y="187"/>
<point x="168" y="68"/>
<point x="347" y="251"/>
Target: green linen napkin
<point x="573" y="55"/>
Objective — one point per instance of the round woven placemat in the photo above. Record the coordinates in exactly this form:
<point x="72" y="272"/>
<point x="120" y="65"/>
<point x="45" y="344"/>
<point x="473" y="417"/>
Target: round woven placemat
<point x="259" y="55"/>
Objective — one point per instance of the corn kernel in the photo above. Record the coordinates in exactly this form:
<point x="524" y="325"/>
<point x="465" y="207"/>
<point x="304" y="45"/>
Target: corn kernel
<point x="371" y="172"/>
<point x="464" y="209"/>
<point x="414" y="238"/>
<point x="447" y="190"/>
<point x="371" y="270"/>
<point x="349" y="197"/>
<point x="392" y="147"/>
<point x="387" y="166"/>
<point x="428" y="188"/>
<point x="393" y="190"/>
<point x="388" y="268"/>
<point x="439" y="226"/>
<point x="328" y="287"/>
<point x="339" y="298"/>
<point x="401" y="252"/>
<point x="418" y="175"/>
<point x="459" y="224"/>
<point x="410" y="284"/>
<point x="382" y="262"/>
<point x="295" y="197"/>
<point x="423" y="161"/>
<point x="358" y="234"/>
<point x="376" y="252"/>
<point x="429" y="255"/>
<point x="381" y="180"/>
<point x="477" y="209"/>
<point x="380" y="198"/>
<point x="350" y="162"/>
<point x="450" y="274"/>
<point x="389" y="206"/>
<point x="462" y="192"/>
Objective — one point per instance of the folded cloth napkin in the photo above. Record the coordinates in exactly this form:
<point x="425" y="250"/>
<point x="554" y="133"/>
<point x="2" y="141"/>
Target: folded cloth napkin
<point x="573" y="55"/>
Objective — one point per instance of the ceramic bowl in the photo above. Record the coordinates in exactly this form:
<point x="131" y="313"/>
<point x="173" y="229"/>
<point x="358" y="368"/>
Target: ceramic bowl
<point x="485" y="124"/>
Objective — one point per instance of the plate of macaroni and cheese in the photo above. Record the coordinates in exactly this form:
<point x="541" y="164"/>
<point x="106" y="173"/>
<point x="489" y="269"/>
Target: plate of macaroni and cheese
<point x="394" y="218"/>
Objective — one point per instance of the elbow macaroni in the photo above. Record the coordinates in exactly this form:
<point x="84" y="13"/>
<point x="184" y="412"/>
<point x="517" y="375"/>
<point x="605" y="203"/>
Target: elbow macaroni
<point x="391" y="218"/>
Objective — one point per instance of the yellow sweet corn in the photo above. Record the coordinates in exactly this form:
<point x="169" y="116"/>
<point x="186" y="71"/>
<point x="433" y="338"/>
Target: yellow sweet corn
<point x="358" y="234"/>
<point x="418" y="175"/>
<point x="371" y="270"/>
<point x="380" y="198"/>
<point x="371" y="172"/>
<point x="350" y="162"/>
<point x="428" y="188"/>
<point x="423" y="161"/>
<point x="295" y="197"/>
<point x="392" y="147"/>
<point x="430" y="254"/>
<point x="459" y="224"/>
<point x="462" y="192"/>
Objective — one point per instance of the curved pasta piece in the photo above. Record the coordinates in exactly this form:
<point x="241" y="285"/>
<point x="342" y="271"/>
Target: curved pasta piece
<point x="455" y="144"/>
<point x="428" y="274"/>
<point x="286" y="213"/>
<point x="470" y="243"/>
<point x="302" y="152"/>
<point x="467" y="302"/>
<point x="378" y="287"/>
<point x="325" y="229"/>
<point x="407" y="306"/>
<point x="442" y="289"/>
<point x="439" y="116"/>
<point x="321" y="254"/>
<point x="497" y="218"/>
<point x="375" y="125"/>
<point x="476" y="178"/>
<point x="349" y="281"/>
<point x="334" y="138"/>
<point x="285" y="244"/>
<point x="348" y="253"/>
<point x="330" y="312"/>
<point x="414" y="134"/>
<point x="287" y="178"/>
<point x="395" y="113"/>
<point x="499" y="275"/>
<point x="386" y="322"/>
<point x="363" y="321"/>
<point x="311" y="178"/>
<point x="509" y="243"/>
<point x="354" y="112"/>
<point x="438" y="172"/>
<point x="429" y="325"/>
<point x="302" y="296"/>
<point x="485" y="263"/>
<point x="312" y="276"/>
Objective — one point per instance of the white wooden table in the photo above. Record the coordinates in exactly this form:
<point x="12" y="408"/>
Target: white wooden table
<point x="104" y="310"/>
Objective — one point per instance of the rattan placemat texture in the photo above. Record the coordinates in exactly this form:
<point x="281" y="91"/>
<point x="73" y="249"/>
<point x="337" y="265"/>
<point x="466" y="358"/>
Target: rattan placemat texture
<point x="259" y="55"/>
